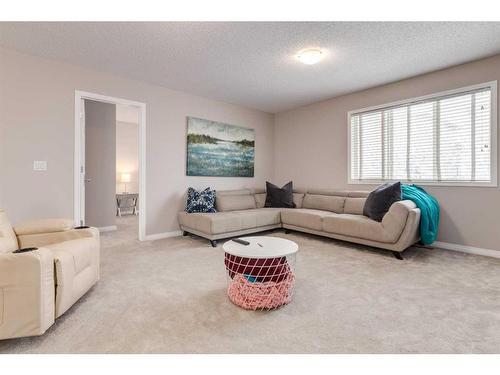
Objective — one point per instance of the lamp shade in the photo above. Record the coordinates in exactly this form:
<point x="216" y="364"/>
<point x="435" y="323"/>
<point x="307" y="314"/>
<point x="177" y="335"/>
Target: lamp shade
<point x="125" y="177"/>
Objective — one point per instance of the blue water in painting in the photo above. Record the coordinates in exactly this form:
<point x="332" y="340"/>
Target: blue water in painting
<point x="223" y="159"/>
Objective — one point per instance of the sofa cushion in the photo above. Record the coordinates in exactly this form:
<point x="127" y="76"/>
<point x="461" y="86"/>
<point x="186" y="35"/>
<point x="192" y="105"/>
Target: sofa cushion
<point x="354" y="205"/>
<point x="380" y="199"/>
<point x="359" y="226"/>
<point x="331" y="203"/>
<point x="259" y="217"/>
<point x="304" y="217"/>
<point x="234" y="192"/>
<point x="227" y="203"/>
<point x="279" y="197"/>
<point x="260" y="200"/>
<point x="358" y="194"/>
<point x="298" y="198"/>
<point x="334" y="192"/>
<point x="224" y="222"/>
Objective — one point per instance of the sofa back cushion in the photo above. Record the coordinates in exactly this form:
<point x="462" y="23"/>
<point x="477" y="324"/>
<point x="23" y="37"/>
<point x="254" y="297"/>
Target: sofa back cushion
<point x="298" y="199"/>
<point x="233" y="202"/>
<point x="8" y="239"/>
<point x="260" y="200"/>
<point x="331" y="203"/>
<point x="354" y="205"/>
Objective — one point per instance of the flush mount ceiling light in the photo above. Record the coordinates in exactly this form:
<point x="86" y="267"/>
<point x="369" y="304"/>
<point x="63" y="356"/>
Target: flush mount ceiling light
<point x="310" y="56"/>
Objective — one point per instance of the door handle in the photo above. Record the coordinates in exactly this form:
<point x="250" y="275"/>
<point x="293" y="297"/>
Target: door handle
<point x="88" y="180"/>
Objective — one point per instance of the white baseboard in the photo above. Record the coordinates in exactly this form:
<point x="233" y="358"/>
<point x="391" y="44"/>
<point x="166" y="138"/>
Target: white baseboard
<point x="108" y="229"/>
<point x="159" y="236"/>
<point x="467" y="249"/>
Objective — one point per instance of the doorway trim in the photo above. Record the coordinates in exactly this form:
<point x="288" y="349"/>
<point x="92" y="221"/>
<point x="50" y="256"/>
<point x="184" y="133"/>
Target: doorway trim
<point x="79" y="146"/>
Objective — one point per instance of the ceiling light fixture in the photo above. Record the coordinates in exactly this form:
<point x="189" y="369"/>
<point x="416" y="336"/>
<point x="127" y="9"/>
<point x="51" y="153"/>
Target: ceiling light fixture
<point x="310" y="56"/>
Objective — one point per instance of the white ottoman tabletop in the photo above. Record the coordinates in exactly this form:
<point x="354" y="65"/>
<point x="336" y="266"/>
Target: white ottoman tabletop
<point x="261" y="247"/>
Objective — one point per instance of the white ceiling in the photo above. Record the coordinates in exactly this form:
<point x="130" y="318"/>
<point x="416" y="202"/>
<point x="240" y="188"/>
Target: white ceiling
<point x="253" y="63"/>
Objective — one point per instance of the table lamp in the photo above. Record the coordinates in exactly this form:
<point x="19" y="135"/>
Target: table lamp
<point x="125" y="178"/>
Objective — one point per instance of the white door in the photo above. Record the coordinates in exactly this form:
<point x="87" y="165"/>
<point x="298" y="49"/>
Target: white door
<point x="82" y="162"/>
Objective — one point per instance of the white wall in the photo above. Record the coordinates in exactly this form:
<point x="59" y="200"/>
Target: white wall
<point x="127" y="155"/>
<point x="311" y="150"/>
<point x="37" y="123"/>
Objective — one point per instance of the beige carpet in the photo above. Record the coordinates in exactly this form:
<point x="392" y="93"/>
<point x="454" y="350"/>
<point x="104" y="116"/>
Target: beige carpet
<point x="168" y="296"/>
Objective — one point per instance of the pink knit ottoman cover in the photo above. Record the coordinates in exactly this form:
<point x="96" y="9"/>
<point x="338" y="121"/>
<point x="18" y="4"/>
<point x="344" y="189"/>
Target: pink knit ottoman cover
<point x="254" y="295"/>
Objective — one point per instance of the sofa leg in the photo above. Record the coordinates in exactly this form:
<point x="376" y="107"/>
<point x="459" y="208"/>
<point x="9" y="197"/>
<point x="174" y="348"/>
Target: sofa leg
<point x="397" y="255"/>
<point x="184" y="233"/>
<point x="213" y="243"/>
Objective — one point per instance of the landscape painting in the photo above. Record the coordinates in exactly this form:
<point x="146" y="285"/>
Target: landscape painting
<point x="218" y="149"/>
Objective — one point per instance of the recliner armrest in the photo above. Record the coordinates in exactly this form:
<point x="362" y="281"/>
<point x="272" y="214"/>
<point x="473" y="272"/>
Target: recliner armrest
<point x="43" y="226"/>
<point x="27" y="293"/>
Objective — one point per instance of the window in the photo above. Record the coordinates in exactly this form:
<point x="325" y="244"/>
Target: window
<point x="444" y="139"/>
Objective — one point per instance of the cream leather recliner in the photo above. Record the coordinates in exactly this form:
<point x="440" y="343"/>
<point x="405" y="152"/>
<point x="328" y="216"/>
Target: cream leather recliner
<point x="38" y="286"/>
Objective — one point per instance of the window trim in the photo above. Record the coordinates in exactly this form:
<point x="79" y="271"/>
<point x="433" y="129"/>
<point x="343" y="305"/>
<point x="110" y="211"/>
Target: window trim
<point x="492" y="85"/>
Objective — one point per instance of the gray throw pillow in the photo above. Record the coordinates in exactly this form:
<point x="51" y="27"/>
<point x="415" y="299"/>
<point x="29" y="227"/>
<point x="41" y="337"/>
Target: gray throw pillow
<point x="279" y="197"/>
<point x="381" y="199"/>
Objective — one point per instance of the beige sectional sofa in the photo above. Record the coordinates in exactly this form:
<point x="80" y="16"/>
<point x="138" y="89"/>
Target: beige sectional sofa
<point x="332" y="213"/>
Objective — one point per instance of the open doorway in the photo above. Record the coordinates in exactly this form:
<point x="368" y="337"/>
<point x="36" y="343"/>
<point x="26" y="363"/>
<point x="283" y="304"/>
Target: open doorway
<point x="110" y="163"/>
<point x="127" y="167"/>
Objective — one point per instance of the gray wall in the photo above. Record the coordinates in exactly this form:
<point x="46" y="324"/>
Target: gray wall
<point x="37" y="123"/>
<point x="311" y="150"/>
<point x="100" y="164"/>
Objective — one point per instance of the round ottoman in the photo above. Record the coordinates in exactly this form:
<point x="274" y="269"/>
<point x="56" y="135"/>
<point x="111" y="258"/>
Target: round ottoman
<point x="260" y="275"/>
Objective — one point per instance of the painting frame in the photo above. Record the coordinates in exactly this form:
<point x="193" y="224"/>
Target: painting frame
<point x="218" y="149"/>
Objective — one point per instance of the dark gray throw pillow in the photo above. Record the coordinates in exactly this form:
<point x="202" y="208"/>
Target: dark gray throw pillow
<point x="279" y="197"/>
<point x="380" y="200"/>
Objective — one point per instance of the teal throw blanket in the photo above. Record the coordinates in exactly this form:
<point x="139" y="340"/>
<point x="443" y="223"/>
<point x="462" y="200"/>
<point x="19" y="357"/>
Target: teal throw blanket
<point x="429" y="208"/>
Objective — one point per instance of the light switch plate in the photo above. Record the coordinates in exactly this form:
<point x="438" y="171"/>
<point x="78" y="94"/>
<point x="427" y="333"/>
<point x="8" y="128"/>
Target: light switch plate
<point x="39" y="165"/>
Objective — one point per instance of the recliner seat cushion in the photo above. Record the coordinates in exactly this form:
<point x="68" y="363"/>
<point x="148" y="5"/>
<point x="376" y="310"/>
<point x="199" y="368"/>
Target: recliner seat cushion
<point x="80" y="250"/>
<point x="304" y="217"/>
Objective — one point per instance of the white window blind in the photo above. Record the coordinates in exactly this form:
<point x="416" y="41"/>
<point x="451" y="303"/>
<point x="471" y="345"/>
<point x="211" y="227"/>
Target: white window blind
<point x="445" y="138"/>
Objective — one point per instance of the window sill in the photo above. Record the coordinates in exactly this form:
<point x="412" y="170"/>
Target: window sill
<point x="492" y="184"/>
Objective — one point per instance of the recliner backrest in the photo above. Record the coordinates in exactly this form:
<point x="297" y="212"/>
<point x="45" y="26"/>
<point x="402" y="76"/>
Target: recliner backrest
<point x="8" y="239"/>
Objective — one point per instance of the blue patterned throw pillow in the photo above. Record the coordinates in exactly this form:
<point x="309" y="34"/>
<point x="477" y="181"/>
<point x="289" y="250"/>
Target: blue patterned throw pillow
<point x="200" y="201"/>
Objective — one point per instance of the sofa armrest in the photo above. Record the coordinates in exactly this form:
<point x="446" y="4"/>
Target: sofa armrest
<point x="398" y="214"/>
<point x="26" y="293"/>
<point x="50" y="238"/>
<point x="43" y="226"/>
